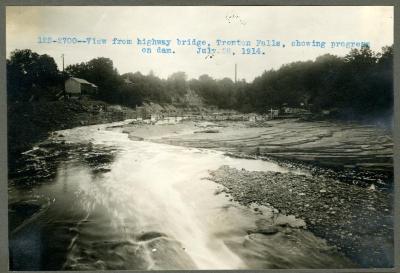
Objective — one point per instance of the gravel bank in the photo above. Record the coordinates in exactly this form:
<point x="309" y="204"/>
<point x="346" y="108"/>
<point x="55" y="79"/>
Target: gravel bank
<point x="358" y="221"/>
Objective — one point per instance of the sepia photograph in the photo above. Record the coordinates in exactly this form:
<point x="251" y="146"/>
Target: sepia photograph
<point x="200" y="137"/>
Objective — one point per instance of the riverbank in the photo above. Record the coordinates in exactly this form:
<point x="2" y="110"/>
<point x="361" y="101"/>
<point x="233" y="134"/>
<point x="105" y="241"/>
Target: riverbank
<point x="29" y="123"/>
<point x="358" y="221"/>
<point x="32" y="122"/>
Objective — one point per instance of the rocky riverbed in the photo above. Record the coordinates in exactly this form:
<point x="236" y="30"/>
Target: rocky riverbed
<point x="356" y="220"/>
<point x="332" y="144"/>
<point x="357" y="154"/>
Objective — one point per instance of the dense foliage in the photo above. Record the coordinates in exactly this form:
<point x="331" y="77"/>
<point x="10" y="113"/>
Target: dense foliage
<point x="29" y="73"/>
<point x="358" y="84"/>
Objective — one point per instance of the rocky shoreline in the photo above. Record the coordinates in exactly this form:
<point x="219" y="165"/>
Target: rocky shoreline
<point x="358" y="221"/>
<point x="30" y="123"/>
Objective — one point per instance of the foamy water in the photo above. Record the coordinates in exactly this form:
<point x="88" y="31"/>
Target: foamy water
<point x="162" y="187"/>
<point x="155" y="209"/>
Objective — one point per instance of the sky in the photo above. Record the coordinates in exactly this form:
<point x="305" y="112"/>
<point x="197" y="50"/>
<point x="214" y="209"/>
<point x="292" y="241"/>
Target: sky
<point x="24" y="26"/>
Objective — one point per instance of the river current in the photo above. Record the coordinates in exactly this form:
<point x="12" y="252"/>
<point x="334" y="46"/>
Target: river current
<point x="154" y="208"/>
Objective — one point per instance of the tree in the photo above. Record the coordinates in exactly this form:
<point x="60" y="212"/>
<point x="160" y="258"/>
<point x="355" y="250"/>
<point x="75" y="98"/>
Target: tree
<point x="177" y="85"/>
<point x="101" y="72"/>
<point x="29" y="73"/>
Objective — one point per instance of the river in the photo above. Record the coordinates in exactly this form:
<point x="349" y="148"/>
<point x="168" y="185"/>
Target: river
<point x="152" y="207"/>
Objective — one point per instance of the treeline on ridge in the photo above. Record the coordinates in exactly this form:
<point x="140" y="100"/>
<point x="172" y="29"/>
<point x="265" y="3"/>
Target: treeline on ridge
<point x="357" y="85"/>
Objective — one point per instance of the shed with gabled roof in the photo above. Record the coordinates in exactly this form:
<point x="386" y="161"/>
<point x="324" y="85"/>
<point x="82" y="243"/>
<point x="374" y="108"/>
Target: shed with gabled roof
<point x="78" y="87"/>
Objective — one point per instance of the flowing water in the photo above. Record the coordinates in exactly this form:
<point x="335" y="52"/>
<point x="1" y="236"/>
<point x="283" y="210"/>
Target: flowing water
<point x="153" y="208"/>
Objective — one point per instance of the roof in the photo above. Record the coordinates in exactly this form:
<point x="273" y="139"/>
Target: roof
<point x="83" y="81"/>
<point x="128" y="81"/>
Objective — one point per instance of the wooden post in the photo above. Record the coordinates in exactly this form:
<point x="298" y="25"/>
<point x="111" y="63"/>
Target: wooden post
<point x="235" y="73"/>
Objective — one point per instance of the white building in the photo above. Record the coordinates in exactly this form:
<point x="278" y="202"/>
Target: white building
<point x="78" y="87"/>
